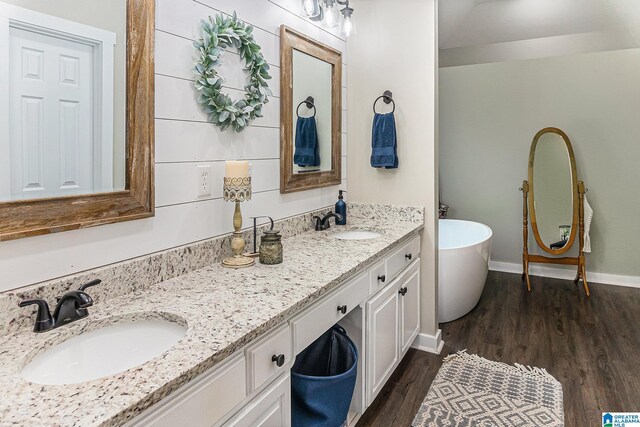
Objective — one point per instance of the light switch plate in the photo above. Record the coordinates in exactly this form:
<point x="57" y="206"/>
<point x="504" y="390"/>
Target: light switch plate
<point x="204" y="180"/>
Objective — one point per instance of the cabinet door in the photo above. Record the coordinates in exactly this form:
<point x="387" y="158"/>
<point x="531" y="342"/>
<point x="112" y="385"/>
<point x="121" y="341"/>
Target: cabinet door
<point x="409" y="306"/>
<point x="382" y="339"/>
<point x="272" y="408"/>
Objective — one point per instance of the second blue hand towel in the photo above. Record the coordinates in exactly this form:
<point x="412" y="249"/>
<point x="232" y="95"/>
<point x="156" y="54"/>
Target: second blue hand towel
<point x="384" y="142"/>
<point x="306" y="153"/>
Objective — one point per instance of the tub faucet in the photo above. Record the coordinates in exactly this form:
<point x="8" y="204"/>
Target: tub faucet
<point x="442" y="210"/>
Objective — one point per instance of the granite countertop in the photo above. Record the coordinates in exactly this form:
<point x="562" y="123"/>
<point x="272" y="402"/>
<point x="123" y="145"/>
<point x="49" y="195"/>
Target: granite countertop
<point x="223" y="309"/>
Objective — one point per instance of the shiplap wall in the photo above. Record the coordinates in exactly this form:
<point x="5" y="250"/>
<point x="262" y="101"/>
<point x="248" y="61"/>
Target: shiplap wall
<point x="183" y="141"/>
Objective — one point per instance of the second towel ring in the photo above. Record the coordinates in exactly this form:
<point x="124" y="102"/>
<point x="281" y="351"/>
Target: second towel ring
<point x="309" y="102"/>
<point x="387" y="97"/>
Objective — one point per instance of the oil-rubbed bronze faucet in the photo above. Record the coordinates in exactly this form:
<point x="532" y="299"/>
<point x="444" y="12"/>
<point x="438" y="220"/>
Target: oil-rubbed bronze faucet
<point x="323" y="223"/>
<point x="71" y="306"/>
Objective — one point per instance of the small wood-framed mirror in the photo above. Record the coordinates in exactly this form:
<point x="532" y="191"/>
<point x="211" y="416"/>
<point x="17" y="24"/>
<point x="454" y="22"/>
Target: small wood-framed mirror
<point x="76" y="114"/>
<point x="553" y="191"/>
<point x="310" y="113"/>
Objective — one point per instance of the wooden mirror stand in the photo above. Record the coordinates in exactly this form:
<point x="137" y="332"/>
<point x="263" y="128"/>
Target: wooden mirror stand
<point x="528" y="258"/>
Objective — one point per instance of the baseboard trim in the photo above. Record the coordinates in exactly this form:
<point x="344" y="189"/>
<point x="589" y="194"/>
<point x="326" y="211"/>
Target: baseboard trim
<point x="429" y="343"/>
<point x="562" y="273"/>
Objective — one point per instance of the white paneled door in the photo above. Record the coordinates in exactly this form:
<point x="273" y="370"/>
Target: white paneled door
<point x="51" y="115"/>
<point x="56" y="121"/>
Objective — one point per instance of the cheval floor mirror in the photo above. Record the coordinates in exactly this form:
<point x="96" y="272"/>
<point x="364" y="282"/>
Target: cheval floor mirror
<point x="554" y="200"/>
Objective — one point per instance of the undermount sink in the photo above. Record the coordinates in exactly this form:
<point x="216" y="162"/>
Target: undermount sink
<point x="357" y="235"/>
<point x="103" y="352"/>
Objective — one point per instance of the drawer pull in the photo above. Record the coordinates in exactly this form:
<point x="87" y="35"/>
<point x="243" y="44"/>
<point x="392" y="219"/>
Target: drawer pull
<point x="408" y="256"/>
<point x="382" y="278"/>
<point x="342" y="309"/>
<point x="403" y="291"/>
<point x="278" y="359"/>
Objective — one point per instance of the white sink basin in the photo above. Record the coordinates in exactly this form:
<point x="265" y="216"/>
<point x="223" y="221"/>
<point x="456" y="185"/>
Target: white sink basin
<point x="103" y="352"/>
<point x="357" y="235"/>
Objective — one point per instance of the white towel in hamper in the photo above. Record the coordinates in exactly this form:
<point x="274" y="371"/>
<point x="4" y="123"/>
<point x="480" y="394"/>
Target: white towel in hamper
<point x="588" y="216"/>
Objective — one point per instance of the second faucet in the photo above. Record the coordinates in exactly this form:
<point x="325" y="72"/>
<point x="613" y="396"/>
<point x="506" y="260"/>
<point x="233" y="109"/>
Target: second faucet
<point x="323" y="223"/>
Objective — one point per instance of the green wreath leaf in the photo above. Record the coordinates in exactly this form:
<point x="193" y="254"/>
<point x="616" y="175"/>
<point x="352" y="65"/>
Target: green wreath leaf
<point x="218" y="34"/>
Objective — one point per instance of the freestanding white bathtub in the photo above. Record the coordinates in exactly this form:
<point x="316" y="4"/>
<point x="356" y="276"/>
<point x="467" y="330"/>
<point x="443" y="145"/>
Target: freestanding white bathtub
<point x="463" y="263"/>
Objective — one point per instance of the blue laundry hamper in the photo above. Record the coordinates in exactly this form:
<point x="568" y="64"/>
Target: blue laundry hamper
<point x="323" y="378"/>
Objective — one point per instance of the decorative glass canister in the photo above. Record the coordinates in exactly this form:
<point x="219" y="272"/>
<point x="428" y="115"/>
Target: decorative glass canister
<point x="271" y="247"/>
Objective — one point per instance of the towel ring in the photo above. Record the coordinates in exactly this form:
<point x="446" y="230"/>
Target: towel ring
<point x="387" y="97"/>
<point x="309" y="102"/>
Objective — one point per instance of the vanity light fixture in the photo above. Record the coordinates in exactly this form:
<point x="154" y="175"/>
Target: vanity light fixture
<point x="347" y="23"/>
<point x="330" y="14"/>
<point x="311" y="8"/>
<point x="326" y="12"/>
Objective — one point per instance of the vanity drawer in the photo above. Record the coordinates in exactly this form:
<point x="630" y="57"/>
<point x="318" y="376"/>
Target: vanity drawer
<point x="201" y="402"/>
<point x="263" y="358"/>
<point x="402" y="258"/>
<point x="378" y="277"/>
<point x="311" y="324"/>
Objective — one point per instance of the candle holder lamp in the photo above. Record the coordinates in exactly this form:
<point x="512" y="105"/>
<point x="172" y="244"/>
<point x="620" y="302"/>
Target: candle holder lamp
<point x="237" y="189"/>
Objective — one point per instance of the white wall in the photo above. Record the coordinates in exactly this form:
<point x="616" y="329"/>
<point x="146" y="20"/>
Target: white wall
<point x="183" y="141"/>
<point x="489" y="115"/>
<point x="395" y="48"/>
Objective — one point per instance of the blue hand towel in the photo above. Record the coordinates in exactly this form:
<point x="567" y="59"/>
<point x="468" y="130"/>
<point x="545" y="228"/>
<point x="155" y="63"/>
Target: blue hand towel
<point x="384" y="142"/>
<point x="306" y="153"/>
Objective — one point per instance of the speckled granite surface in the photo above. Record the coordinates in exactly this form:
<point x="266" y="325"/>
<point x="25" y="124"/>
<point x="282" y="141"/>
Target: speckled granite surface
<point x="223" y="309"/>
<point x="135" y="274"/>
<point x="385" y="212"/>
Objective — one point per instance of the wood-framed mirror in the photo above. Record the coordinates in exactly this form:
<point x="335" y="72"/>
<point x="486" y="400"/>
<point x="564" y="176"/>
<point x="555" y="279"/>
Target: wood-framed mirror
<point x="77" y="118"/>
<point x="554" y="200"/>
<point x="310" y="113"/>
<point x="553" y="191"/>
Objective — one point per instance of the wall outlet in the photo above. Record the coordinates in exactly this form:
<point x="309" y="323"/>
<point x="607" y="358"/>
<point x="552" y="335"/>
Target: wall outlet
<point x="204" y="180"/>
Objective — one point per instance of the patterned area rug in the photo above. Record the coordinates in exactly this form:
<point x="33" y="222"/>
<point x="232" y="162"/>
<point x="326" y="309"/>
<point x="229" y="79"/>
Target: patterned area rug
<point x="472" y="391"/>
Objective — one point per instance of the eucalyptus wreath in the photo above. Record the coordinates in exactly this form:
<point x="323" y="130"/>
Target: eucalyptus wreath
<point x="219" y="33"/>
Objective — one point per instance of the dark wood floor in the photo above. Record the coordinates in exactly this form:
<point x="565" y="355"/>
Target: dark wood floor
<point x="591" y="345"/>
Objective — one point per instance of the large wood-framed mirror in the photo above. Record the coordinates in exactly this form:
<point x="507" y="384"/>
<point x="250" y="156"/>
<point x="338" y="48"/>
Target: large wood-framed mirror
<point x="76" y="114"/>
<point x="553" y="199"/>
<point x="553" y="191"/>
<point x="310" y="113"/>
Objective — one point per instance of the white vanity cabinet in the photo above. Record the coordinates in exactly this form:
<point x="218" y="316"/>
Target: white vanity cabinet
<point x="383" y="328"/>
<point x="393" y="322"/>
<point x="380" y="309"/>
<point x="254" y="383"/>
<point x="409" y="302"/>
<point x="203" y="401"/>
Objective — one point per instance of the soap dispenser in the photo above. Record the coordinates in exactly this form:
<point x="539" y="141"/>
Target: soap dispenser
<point x="341" y="208"/>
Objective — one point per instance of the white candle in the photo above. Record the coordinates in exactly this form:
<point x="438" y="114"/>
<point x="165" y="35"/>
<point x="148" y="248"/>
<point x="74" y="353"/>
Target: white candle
<point x="236" y="169"/>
